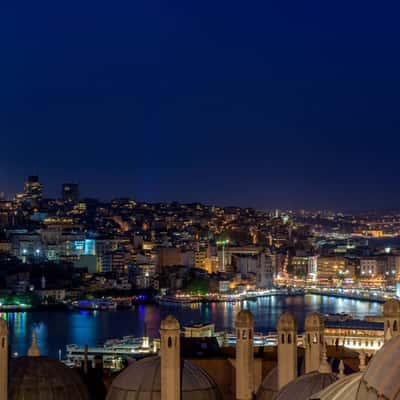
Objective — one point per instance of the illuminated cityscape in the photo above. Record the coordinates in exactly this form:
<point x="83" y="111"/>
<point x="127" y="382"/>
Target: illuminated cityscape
<point x="71" y="256"/>
<point x="199" y="200"/>
<point x="70" y="248"/>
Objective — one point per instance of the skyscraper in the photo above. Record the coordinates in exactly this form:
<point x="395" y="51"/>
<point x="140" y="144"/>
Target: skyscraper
<point x="70" y="192"/>
<point x="33" y="189"/>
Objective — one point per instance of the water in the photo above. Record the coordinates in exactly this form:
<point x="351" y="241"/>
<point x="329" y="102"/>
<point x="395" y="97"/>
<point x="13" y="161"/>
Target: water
<point x="56" y="329"/>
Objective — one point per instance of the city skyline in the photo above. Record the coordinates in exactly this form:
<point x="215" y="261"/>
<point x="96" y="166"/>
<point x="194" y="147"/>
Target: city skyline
<point x="275" y="105"/>
<point x="59" y="193"/>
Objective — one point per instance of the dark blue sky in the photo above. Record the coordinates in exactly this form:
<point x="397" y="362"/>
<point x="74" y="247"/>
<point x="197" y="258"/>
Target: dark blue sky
<point x="268" y="104"/>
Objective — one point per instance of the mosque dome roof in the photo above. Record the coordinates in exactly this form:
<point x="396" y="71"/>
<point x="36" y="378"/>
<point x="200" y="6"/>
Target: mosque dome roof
<point x="142" y="381"/>
<point x="269" y="387"/>
<point x="44" y="378"/>
<point x="381" y="380"/>
<point x="306" y="385"/>
<point x="343" y="389"/>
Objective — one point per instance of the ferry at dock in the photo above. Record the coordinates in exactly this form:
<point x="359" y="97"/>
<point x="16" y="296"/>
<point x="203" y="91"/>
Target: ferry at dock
<point x="340" y="330"/>
<point x="114" y="352"/>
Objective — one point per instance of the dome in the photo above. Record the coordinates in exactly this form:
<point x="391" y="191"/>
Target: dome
<point x="170" y="323"/>
<point x="391" y="308"/>
<point x="343" y="389"/>
<point x="287" y="322"/>
<point x="142" y="381"/>
<point x="37" y="378"/>
<point x="305" y="386"/>
<point x="314" y="321"/>
<point x="381" y="380"/>
<point x="244" y="319"/>
<point x="269" y="387"/>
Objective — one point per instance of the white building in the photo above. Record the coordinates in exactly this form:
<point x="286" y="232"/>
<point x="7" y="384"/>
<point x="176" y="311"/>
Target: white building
<point x="369" y="267"/>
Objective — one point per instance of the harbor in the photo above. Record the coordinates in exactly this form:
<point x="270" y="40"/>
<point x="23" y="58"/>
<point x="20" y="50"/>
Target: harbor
<point x="57" y="329"/>
<point x="340" y="330"/>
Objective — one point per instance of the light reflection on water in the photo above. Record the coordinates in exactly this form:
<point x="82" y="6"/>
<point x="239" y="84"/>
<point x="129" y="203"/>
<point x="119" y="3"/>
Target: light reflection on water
<point x="56" y="329"/>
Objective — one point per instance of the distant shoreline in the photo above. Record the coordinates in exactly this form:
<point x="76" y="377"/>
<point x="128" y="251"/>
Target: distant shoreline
<point x="64" y="307"/>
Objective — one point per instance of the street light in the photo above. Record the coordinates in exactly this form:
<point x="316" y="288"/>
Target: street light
<point x="223" y="243"/>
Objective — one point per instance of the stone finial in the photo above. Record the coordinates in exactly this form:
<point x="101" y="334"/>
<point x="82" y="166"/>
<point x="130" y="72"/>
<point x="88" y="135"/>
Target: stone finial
<point x="34" y="349"/>
<point x="388" y="335"/>
<point x="325" y="367"/>
<point x="362" y="357"/>
<point x="341" y="373"/>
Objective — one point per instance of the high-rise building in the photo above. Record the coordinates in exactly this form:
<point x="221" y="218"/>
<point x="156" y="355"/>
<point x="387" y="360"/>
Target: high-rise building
<point x="70" y="192"/>
<point x="33" y="189"/>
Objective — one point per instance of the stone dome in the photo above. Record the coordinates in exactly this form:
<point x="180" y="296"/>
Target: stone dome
<point x="169" y="323"/>
<point x="42" y="378"/>
<point x="287" y="322"/>
<point x="391" y="308"/>
<point x="244" y="319"/>
<point x="305" y="386"/>
<point x="381" y="380"/>
<point x="142" y="381"/>
<point x="314" y="321"/>
<point x="269" y="387"/>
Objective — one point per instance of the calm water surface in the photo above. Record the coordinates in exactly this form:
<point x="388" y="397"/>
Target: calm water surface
<point x="57" y="329"/>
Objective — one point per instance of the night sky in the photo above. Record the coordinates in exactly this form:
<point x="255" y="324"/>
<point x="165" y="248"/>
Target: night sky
<point x="289" y="104"/>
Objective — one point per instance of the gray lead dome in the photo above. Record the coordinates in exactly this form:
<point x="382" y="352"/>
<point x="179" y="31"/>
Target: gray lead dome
<point x="141" y="381"/>
<point x="41" y="378"/>
<point x="305" y="386"/>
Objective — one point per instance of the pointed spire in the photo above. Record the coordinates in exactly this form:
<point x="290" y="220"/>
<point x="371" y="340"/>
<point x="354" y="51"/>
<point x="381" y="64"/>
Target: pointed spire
<point x="324" y="367"/>
<point x="145" y="329"/>
<point x="388" y="335"/>
<point x="34" y="349"/>
<point x="85" y="359"/>
<point x="341" y="373"/>
<point x="145" y="341"/>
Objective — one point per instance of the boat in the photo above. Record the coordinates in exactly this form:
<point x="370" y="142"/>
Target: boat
<point x="176" y="300"/>
<point x="114" y="352"/>
<point x="15" y="307"/>
<point x="94" y="305"/>
<point x="338" y="317"/>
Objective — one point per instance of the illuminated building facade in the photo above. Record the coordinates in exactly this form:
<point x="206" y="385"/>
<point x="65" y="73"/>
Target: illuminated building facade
<point x="115" y="261"/>
<point x="330" y="267"/>
<point x="200" y="259"/>
<point x="33" y="189"/>
<point x="369" y="267"/>
<point x="305" y="266"/>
